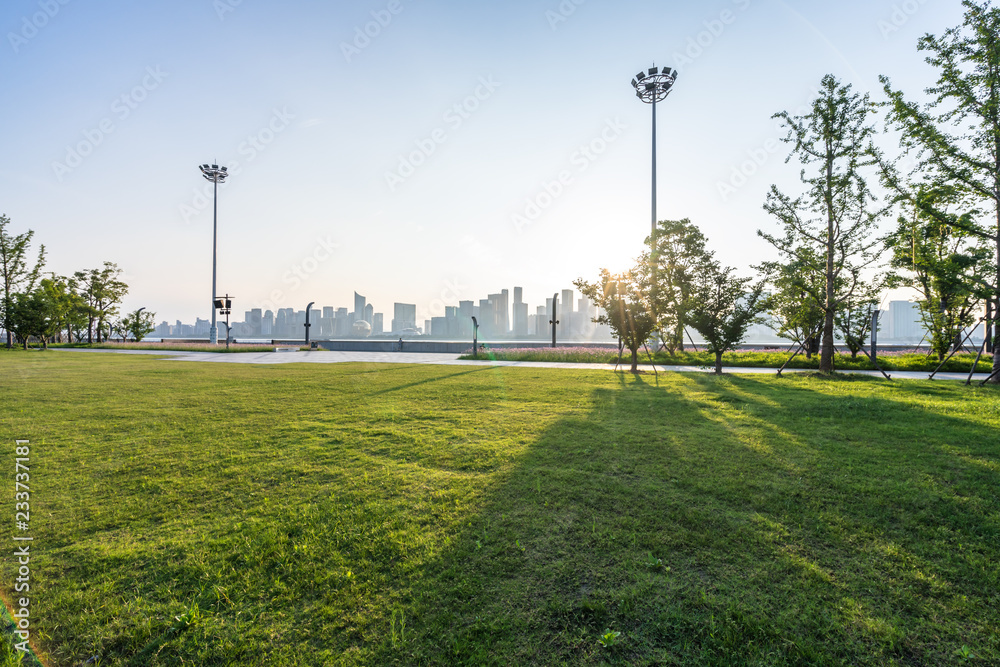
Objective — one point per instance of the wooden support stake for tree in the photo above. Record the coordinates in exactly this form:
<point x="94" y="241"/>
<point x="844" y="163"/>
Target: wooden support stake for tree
<point x="975" y="363"/>
<point x="801" y="345"/>
<point x="875" y="364"/>
<point x="953" y="353"/>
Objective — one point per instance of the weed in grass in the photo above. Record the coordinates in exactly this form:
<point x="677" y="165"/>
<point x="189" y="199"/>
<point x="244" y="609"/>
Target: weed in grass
<point x="609" y="639"/>
<point x="965" y="653"/>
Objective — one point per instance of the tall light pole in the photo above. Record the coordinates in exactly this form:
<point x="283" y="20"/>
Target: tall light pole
<point x="651" y="87"/>
<point x="216" y="174"/>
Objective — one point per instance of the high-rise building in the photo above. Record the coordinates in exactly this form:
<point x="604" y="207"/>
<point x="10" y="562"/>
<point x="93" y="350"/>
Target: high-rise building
<point x="904" y="321"/>
<point x="520" y="320"/>
<point x="499" y="318"/>
<point x="267" y="324"/>
<point x="566" y="302"/>
<point x="404" y="316"/>
<point x="254" y="321"/>
<point x="369" y="313"/>
<point x="377" y="325"/>
<point x="359" y="307"/>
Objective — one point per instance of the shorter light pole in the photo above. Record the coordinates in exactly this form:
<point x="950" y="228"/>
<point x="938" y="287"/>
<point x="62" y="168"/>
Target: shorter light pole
<point x="308" y="308"/>
<point x="224" y="304"/>
<point x="554" y="321"/>
<point x="475" y="338"/>
<point x="137" y="314"/>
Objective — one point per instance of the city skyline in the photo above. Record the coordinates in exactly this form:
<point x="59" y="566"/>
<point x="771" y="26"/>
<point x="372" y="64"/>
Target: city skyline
<point x="486" y="165"/>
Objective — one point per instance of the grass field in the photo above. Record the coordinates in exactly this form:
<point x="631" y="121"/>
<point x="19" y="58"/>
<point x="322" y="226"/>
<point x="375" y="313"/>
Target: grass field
<point x="889" y="361"/>
<point x="229" y="514"/>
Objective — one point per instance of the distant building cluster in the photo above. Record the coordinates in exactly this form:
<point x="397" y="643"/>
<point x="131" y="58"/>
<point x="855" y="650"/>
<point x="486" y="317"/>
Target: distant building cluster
<point x="497" y="315"/>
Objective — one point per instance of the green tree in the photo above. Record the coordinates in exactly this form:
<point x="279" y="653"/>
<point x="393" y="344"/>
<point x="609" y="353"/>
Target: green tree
<point x="102" y="290"/>
<point x="854" y="323"/>
<point x="138" y="324"/>
<point x="69" y="308"/>
<point x="624" y="301"/>
<point x="723" y="306"/>
<point x="678" y="254"/>
<point x="828" y="229"/>
<point x="956" y="135"/>
<point x="16" y="272"/>
<point x="934" y="253"/>
<point x="32" y="314"/>
<point x="794" y="307"/>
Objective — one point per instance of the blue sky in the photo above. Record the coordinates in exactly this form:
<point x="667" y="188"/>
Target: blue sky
<point x="390" y="147"/>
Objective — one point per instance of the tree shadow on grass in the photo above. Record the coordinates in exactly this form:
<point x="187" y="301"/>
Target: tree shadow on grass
<point x="659" y="516"/>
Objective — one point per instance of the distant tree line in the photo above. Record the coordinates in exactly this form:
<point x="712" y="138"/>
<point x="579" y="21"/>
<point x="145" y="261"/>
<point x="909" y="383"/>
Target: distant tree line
<point x="53" y="308"/>
<point x="832" y="263"/>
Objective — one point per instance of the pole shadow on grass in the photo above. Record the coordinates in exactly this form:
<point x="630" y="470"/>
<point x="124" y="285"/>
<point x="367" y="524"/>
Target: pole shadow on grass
<point x="653" y="517"/>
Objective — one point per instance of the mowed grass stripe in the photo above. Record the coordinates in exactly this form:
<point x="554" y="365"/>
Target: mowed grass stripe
<point x="219" y="514"/>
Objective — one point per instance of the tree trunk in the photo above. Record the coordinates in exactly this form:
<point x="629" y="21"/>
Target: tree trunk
<point x="996" y="351"/>
<point x="826" y="353"/>
<point x="635" y="360"/>
<point x="718" y="363"/>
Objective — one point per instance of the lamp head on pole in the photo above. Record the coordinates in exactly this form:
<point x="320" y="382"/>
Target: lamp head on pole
<point x="654" y="84"/>
<point x="214" y="173"/>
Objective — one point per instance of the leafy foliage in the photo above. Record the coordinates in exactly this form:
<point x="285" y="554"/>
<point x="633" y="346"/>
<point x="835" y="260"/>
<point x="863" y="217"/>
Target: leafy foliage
<point x="956" y="136"/>
<point x="934" y="253"/>
<point x="827" y="230"/>
<point x="624" y="305"/>
<point x="724" y="307"/>
<point x="678" y="255"/>
<point x="16" y="272"/>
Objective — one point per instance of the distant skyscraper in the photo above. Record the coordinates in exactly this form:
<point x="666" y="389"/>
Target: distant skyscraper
<point x="377" y="326"/>
<point x="499" y="317"/>
<point x="253" y="321"/>
<point x="566" y="302"/>
<point x="904" y="321"/>
<point x="520" y="320"/>
<point x="359" y="306"/>
<point x="369" y="313"/>
<point x="404" y="316"/>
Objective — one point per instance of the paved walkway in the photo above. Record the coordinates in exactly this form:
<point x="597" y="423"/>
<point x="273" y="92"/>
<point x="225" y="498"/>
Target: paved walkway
<point x="335" y="357"/>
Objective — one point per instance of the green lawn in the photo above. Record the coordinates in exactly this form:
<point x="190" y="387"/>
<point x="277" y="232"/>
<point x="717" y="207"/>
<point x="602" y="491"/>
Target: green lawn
<point x="888" y="361"/>
<point x="226" y="514"/>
